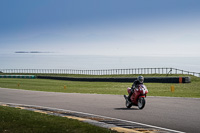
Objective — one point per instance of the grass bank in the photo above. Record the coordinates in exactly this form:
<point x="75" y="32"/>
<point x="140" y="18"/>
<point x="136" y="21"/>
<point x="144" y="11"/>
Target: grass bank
<point x="155" y="89"/>
<point x="13" y="120"/>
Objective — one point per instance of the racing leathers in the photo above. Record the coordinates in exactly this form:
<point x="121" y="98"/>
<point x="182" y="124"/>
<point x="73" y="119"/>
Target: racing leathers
<point x="134" y="85"/>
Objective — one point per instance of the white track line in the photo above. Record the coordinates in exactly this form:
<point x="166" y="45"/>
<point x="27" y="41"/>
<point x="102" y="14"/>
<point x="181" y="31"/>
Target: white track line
<point x="170" y="130"/>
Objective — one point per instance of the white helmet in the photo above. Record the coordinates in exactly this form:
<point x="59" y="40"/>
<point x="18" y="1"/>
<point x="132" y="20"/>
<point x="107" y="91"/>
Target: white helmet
<point x="140" y="79"/>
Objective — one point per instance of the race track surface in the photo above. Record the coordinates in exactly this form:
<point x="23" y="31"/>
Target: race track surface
<point x="181" y="114"/>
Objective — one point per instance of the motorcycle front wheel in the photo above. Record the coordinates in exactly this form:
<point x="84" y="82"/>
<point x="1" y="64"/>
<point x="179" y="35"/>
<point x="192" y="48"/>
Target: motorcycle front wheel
<point x="141" y="102"/>
<point x="128" y="104"/>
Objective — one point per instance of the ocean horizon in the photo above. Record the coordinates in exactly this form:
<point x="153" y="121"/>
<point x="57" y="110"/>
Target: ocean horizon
<point x="95" y="62"/>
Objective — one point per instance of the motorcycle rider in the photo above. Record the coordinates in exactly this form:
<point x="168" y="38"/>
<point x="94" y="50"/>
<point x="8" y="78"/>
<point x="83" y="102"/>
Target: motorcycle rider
<point x="139" y="80"/>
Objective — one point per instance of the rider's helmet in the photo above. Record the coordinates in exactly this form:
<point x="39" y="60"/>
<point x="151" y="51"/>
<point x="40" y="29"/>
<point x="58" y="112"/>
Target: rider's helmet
<point x="140" y="79"/>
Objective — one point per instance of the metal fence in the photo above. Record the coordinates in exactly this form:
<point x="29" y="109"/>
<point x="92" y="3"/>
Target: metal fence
<point x="103" y="71"/>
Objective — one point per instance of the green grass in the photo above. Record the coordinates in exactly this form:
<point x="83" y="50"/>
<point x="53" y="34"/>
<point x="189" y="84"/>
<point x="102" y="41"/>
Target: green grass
<point x="14" y="120"/>
<point x="155" y="89"/>
<point x="71" y="86"/>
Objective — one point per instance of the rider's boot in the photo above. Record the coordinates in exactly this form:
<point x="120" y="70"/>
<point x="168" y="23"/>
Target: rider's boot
<point x="129" y="96"/>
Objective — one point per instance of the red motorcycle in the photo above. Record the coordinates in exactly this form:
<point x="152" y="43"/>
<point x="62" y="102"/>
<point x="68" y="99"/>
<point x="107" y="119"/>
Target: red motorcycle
<point x="138" y="97"/>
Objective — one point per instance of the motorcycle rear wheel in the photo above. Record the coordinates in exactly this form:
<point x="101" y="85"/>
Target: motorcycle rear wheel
<point x="141" y="102"/>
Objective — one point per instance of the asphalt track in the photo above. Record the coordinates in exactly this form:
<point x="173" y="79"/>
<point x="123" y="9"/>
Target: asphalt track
<point x="180" y="114"/>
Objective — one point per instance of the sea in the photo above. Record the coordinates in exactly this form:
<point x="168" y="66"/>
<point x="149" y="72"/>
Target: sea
<point x="95" y="62"/>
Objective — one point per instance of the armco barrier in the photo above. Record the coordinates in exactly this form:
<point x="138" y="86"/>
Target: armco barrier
<point x="18" y="76"/>
<point x="147" y="79"/>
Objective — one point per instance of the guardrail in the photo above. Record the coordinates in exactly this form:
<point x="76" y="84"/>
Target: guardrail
<point x="18" y="76"/>
<point x="127" y="80"/>
<point x="104" y="71"/>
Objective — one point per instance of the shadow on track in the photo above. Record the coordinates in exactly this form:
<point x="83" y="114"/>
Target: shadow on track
<point x="126" y="109"/>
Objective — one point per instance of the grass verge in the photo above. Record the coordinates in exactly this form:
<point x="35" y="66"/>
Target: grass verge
<point x="13" y="120"/>
<point x="155" y="89"/>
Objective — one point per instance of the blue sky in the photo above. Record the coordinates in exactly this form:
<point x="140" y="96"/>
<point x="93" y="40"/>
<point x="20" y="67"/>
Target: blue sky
<point x="101" y="27"/>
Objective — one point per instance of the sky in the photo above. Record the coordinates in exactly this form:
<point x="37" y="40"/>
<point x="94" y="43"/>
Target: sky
<point x="101" y="27"/>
